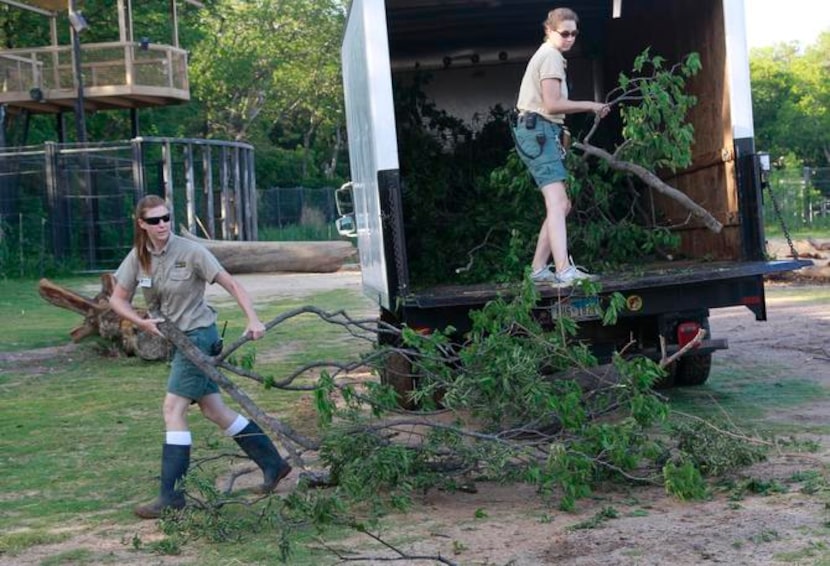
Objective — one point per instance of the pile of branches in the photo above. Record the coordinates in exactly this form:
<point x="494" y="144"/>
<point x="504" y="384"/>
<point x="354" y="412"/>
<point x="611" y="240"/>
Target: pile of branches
<point x="472" y="212"/>
<point x="512" y="401"/>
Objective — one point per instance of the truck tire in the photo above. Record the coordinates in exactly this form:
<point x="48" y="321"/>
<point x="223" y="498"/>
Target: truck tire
<point x="692" y="370"/>
<point x="396" y="370"/>
<point x="397" y="373"/>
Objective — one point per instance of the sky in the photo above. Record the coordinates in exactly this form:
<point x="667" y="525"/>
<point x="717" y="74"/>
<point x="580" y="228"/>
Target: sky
<point x="774" y="21"/>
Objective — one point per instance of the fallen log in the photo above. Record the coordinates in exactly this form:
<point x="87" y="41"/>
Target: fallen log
<point x="101" y="320"/>
<point x="820" y="246"/>
<point x="269" y="257"/>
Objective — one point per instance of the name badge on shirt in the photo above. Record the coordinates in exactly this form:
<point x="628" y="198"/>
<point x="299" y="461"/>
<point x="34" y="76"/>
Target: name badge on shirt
<point x="145" y="282"/>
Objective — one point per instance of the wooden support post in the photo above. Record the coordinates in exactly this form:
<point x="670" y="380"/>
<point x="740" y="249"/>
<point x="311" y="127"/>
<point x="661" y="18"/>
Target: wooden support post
<point x="226" y="203"/>
<point x="207" y="184"/>
<point x="167" y="173"/>
<point x="238" y="227"/>
<point x="189" y="188"/>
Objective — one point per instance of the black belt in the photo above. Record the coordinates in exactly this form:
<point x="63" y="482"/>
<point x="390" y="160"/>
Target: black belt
<point x="523" y="116"/>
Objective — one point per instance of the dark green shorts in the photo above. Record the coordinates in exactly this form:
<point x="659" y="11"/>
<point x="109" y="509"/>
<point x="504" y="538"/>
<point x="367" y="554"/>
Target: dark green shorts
<point x="544" y="160"/>
<point x="186" y="380"/>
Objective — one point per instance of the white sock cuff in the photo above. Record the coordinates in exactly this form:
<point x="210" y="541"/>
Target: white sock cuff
<point x="179" y="437"/>
<point x="237" y="426"/>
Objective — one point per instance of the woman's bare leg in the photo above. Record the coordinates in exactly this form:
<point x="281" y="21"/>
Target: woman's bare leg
<point x="215" y="410"/>
<point x="553" y="236"/>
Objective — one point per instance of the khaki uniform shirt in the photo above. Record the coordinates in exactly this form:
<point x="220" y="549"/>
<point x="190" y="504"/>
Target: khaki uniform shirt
<point x="175" y="286"/>
<point x="546" y="63"/>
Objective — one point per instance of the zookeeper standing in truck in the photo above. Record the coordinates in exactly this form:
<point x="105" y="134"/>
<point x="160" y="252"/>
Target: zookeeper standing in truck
<point x="542" y="105"/>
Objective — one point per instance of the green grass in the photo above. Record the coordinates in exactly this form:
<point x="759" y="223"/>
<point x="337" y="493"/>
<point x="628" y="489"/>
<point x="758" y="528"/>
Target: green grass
<point x="820" y="230"/>
<point x="798" y="294"/>
<point x="746" y="395"/>
<point x="80" y="436"/>
<point x="34" y="323"/>
<point x="753" y="392"/>
<point x="299" y="233"/>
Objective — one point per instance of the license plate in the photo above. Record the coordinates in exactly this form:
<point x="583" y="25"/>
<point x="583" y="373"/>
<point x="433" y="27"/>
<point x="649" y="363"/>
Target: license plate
<point x="577" y="308"/>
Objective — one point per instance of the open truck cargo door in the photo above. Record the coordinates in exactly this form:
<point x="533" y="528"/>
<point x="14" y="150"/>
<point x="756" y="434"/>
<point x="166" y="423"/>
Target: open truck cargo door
<point x="373" y="149"/>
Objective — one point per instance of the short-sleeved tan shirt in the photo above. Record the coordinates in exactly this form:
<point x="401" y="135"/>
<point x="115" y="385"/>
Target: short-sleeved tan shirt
<point x="175" y="286"/>
<point x="546" y="63"/>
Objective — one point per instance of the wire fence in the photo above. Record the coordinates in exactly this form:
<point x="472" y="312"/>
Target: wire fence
<point x="39" y="236"/>
<point x="70" y="206"/>
<point x="281" y="207"/>
<point x="803" y="198"/>
<point x="26" y="226"/>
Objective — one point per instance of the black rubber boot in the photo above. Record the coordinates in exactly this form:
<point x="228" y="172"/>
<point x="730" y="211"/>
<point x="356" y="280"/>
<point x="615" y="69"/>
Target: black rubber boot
<point x="175" y="460"/>
<point x="261" y="450"/>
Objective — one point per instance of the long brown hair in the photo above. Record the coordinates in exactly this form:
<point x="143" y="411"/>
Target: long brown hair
<point x="140" y="237"/>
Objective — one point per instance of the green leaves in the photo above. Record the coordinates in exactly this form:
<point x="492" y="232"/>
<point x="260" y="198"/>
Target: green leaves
<point x="653" y="106"/>
<point x="790" y="100"/>
<point x="684" y="481"/>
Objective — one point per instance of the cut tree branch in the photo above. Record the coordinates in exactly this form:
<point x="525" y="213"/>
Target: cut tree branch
<point x="654" y="182"/>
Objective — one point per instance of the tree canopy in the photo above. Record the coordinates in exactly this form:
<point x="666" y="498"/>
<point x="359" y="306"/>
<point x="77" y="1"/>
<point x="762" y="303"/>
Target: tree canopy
<point x="791" y="100"/>
<point x="268" y="72"/>
<point x="262" y="71"/>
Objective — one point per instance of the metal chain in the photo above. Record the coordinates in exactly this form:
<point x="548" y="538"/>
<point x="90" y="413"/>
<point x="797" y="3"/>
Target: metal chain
<point x="780" y="216"/>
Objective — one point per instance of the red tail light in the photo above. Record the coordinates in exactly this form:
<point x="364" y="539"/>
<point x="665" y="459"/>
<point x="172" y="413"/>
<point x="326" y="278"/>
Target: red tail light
<point x="686" y="332"/>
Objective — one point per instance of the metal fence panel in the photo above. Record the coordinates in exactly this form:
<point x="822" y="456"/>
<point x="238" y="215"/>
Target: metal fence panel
<point x="803" y="198"/>
<point x="284" y="206"/>
<point x="75" y="201"/>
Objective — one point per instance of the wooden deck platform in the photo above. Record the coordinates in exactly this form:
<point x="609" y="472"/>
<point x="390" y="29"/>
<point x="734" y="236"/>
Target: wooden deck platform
<point x="116" y="75"/>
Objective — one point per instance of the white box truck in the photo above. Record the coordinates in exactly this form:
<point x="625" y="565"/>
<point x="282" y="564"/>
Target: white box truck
<point x="476" y="52"/>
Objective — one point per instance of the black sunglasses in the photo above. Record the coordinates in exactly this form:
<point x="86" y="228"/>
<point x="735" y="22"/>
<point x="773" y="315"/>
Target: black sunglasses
<point x="157" y="219"/>
<point x="567" y="34"/>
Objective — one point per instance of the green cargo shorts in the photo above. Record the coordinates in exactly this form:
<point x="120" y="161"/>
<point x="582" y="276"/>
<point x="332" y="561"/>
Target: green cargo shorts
<point x="543" y="160"/>
<point x="187" y="380"/>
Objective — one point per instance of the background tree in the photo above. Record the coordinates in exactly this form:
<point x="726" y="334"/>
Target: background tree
<point x="268" y="72"/>
<point x="791" y="100"/>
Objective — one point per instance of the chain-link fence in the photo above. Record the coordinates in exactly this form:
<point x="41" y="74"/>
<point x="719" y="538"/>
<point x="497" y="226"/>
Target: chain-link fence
<point x="297" y="213"/>
<point x="71" y="205"/>
<point x="284" y="206"/>
<point x="803" y="197"/>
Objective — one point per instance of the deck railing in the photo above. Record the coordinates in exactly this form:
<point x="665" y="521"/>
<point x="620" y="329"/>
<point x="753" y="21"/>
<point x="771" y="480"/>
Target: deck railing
<point x="113" y="64"/>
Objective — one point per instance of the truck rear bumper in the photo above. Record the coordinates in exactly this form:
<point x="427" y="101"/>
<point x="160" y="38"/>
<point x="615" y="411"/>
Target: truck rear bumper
<point x="705" y="347"/>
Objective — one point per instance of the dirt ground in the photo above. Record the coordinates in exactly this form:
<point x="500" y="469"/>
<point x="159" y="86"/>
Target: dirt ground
<point x="501" y="525"/>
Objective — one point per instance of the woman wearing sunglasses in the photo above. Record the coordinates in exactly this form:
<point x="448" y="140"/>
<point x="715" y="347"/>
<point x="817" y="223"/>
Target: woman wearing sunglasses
<point x="542" y="105"/>
<point x="172" y="273"/>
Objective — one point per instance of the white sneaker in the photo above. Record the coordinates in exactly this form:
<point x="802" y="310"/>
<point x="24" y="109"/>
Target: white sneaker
<point x="572" y="274"/>
<point x="544" y="275"/>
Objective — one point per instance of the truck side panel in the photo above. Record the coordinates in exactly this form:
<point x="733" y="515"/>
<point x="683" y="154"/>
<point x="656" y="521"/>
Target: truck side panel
<point x="373" y="148"/>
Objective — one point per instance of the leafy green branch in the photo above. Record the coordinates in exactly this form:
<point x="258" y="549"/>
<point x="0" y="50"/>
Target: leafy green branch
<point x="512" y="400"/>
<point x="653" y="106"/>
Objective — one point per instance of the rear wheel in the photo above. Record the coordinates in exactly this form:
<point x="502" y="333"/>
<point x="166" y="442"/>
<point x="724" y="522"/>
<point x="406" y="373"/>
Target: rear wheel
<point x="396" y="369"/>
<point x="693" y="370"/>
<point x="397" y="373"/>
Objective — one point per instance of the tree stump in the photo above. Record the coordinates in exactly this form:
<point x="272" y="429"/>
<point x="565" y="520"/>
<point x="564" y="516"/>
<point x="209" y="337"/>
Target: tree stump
<point x="101" y="320"/>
